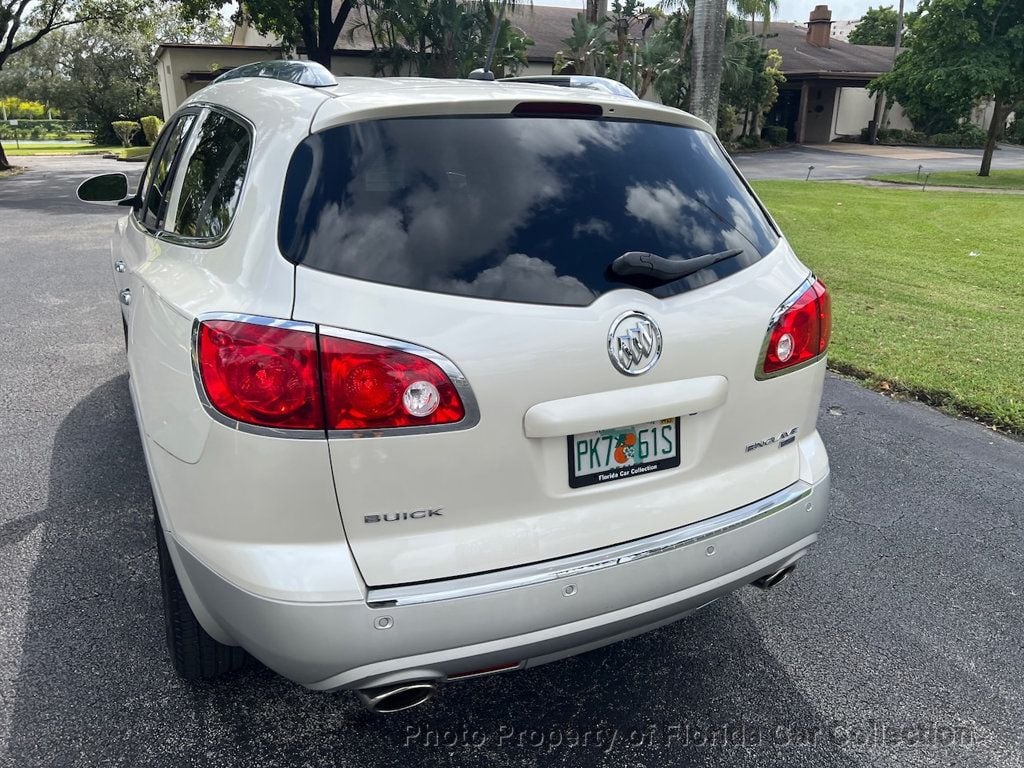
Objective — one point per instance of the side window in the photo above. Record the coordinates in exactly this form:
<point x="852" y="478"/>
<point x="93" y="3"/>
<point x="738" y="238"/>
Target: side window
<point x="158" y="174"/>
<point x="212" y="181"/>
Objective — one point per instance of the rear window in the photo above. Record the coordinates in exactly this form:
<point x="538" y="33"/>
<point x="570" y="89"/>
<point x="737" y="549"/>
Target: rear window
<point x="527" y="209"/>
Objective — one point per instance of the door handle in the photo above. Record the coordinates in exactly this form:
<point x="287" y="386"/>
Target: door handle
<point x="126" y="296"/>
<point x="120" y="267"/>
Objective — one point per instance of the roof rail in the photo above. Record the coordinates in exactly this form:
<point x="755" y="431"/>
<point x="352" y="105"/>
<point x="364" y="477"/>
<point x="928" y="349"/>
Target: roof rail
<point x="589" y="82"/>
<point x="307" y="73"/>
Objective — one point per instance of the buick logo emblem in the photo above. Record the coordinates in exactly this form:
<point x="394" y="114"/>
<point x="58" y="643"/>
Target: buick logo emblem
<point x="634" y="343"/>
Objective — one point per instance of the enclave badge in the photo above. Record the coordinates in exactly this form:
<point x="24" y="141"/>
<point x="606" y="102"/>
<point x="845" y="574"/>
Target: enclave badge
<point x="634" y="343"/>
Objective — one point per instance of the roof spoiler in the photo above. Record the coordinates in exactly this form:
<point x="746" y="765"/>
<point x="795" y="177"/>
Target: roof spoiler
<point x="307" y="73"/>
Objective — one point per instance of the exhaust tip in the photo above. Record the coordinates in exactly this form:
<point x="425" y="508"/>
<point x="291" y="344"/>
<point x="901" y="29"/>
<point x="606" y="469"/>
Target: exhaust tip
<point x="774" y="579"/>
<point x="396" y="698"/>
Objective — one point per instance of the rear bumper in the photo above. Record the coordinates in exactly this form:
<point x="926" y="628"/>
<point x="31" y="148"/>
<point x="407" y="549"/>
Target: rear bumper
<point x="528" y="615"/>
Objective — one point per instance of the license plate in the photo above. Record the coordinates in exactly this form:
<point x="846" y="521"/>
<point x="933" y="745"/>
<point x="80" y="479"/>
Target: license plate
<point x="615" y="454"/>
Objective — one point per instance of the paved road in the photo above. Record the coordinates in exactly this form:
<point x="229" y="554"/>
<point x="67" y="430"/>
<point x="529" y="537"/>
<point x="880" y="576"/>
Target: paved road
<point x="856" y="161"/>
<point x="908" y="613"/>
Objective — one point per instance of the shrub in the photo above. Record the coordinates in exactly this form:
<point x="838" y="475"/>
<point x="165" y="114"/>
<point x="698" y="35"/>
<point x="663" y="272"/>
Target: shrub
<point x="750" y="142"/>
<point x="125" y="130"/>
<point x="726" y="122"/>
<point x="20" y="108"/>
<point x="151" y="125"/>
<point x="776" y="134"/>
<point x="971" y="135"/>
<point x="37" y="133"/>
<point x="967" y="135"/>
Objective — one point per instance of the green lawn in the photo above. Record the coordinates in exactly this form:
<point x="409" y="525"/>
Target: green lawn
<point x="997" y="179"/>
<point x="927" y="289"/>
<point x="34" y="148"/>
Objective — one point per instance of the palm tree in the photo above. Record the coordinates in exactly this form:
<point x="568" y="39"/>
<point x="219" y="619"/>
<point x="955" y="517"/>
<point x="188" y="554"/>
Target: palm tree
<point x="752" y="9"/>
<point x="748" y="9"/>
<point x="585" y="46"/>
<point x="768" y="7"/>
<point x="709" y="18"/>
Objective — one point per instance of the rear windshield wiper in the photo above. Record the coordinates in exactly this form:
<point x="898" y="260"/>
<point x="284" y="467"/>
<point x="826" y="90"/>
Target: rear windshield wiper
<point x="652" y="265"/>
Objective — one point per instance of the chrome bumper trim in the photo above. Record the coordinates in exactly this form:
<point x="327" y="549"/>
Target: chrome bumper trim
<point x="575" y="565"/>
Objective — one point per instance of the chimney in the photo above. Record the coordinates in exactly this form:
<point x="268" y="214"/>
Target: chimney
<point x="819" y="27"/>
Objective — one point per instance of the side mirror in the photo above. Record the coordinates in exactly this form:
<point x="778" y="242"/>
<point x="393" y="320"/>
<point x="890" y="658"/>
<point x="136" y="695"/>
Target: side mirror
<point x="107" y="189"/>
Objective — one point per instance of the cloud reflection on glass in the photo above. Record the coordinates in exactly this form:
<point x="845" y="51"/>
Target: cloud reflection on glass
<point x="515" y="208"/>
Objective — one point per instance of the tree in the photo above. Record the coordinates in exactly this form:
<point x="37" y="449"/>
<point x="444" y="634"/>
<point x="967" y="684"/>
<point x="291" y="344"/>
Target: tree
<point x="878" y="26"/>
<point x="586" y="48"/>
<point x="125" y="130"/>
<point x="751" y="9"/>
<point x="108" y="77"/>
<point x="768" y="7"/>
<point x="313" y="25"/>
<point x="441" y="38"/>
<point x="709" y="18"/>
<point x="753" y="83"/>
<point x="35" y="73"/>
<point x="24" y="24"/>
<point x="624" y="16"/>
<point x="101" y="71"/>
<point x="656" y="59"/>
<point x="963" y="52"/>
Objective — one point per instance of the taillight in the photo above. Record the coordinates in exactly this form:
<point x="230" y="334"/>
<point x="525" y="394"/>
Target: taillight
<point x="261" y="374"/>
<point x="800" y="331"/>
<point x="267" y="375"/>
<point x="372" y="387"/>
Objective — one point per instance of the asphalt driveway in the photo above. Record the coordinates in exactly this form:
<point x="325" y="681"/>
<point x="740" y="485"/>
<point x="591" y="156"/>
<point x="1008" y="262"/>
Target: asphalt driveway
<point x="896" y="643"/>
<point x="857" y="161"/>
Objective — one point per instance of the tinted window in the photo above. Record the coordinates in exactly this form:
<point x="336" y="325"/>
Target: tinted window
<point x="158" y="174"/>
<point x="213" y="178"/>
<point x="530" y="209"/>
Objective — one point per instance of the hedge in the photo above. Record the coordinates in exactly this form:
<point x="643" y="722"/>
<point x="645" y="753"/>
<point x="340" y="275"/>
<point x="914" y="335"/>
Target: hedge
<point x="151" y="125"/>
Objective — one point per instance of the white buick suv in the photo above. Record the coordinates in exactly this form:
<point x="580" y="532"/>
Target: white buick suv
<point x="438" y="379"/>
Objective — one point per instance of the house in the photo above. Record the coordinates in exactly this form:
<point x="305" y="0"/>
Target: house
<point x="183" y="69"/>
<point x="824" y="96"/>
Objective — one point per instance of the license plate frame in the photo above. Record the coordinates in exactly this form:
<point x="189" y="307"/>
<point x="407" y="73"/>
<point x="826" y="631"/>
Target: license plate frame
<point x="621" y="471"/>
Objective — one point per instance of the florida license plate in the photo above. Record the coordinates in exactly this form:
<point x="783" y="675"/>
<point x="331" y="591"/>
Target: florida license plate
<point x="614" y="454"/>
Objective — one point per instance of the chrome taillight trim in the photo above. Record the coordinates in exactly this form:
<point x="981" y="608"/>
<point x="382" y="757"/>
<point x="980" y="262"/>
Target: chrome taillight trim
<point x="469" y="420"/>
<point x="577" y="565"/>
<point x="759" y="372"/>
<point x="242" y="426"/>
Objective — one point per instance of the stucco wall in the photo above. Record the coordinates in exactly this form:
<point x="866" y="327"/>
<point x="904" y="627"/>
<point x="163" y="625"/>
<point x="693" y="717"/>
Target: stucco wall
<point x="173" y="63"/>
<point x="855" y="110"/>
<point x="352" y="66"/>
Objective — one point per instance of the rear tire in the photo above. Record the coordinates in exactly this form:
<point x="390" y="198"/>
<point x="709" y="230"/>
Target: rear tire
<point x="194" y="654"/>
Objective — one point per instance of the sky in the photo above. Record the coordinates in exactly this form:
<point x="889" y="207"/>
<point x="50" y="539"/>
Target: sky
<point x="789" y="10"/>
